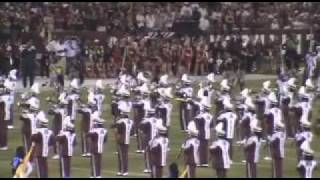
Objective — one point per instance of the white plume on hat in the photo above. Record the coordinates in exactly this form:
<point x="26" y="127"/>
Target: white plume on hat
<point x="291" y="82"/>
<point x="144" y="88"/>
<point x="168" y="92"/>
<point x="99" y="84"/>
<point x="123" y="79"/>
<point x="13" y="74"/>
<point x="123" y="90"/>
<point x="42" y="117"/>
<point x="266" y="85"/>
<point x="91" y="99"/>
<point x="309" y="83"/>
<point x="219" y="128"/>
<point x="8" y="85"/>
<point x="245" y="92"/>
<point x="141" y="77"/>
<point x="164" y="79"/>
<point x="62" y="98"/>
<point x="210" y="77"/>
<point x="35" y="88"/>
<point x="224" y="84"/>
<point x="272" y="97"/>
<point x="185" y="78"/>
<point x="69" y="125"/>
<point x="227" y="104"/>
<point x="192" y="129"/>
<point x="74" y="84"/>
<point x="249" y="103"/>
<point x="302" y="90"/>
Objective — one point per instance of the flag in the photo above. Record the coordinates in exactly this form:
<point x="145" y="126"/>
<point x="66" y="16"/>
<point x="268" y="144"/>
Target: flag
<point x="22" y="167"/>
<point x="184" y="173"/>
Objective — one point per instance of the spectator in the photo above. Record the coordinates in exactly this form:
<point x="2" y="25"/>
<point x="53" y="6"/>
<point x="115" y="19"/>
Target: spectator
<point x="186" y="11"/>
<point x="28" y="65"/>
<point x="204" y="25"/>
<point x="150" y="21"/>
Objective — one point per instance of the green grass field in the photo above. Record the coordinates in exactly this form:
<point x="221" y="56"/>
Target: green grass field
<point x="81" y="165"/>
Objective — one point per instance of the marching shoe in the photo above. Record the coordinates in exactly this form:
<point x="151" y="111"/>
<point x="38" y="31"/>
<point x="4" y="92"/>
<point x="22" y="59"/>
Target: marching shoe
<point x="125" y="174"/>
<point x="55" y="156"/>
<point x="146" y="171"/>
<point x="267" y="158"/>
<point x="10" y="127"/>
<point x="84" y="155"/>
<point x="5" y="148"/>
<point x="243" y="161"/>
<point x="98" y="177"/>
<point x="119" y="174"/>
<point x="204" y="165"/>
<point x="138" y="151"/>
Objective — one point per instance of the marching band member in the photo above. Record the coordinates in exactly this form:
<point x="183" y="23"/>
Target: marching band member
<point x="34" y="93"/>
<point x="191" y="150"/>
<point x="243" y="115"/>
<point x="228" y="118"/>
<point x="219" y="151"/>
<point x="185" y="92"/>
<point x="249" y="116"/>
<point x="6" y="103"/>
<point x="98" y="137"/>
<point x="148" y="126"/>
<point x="204" y="123"/>
<point x="42" y="139"/>
<point x="12" y="80"/>
<point x="310" y="91"/>
<point x="252" y="147"/>
<point x="205" y="93"/>
<point x="307" y="164"/>
<point x="123" y="129"/>
<point x="165" y="107"/>
<point x="163" y="83"/>
<point x="223" y="96"/>
<point x="158" y="148"/>
<point x="73" y="98"/>
<point x="302" y="108"/>
<point x="29" y="125"/>
<point x="146" y="106"/>
<point x="287" y="102"/>
<point x="263" y="103"/>
<point x="99" y="96"/>
<point x="305" y="135"/>
<point x="66" y="140"/>
<point x="277" y="145"/>
<point x="88" y="111"/>
<point x="273" y="116"/>
<point x="60" y="118"/>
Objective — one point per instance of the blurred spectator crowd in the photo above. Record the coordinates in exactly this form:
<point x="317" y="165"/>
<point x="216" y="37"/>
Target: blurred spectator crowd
<point x="134" y="37"/>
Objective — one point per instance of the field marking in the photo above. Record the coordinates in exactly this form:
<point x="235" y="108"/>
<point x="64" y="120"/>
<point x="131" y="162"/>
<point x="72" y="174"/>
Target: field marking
<point x="115" y="172"/>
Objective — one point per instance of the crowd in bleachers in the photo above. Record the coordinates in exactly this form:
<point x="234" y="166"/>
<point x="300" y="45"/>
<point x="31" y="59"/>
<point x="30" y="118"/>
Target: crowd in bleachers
<point x="172" y="53"/>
